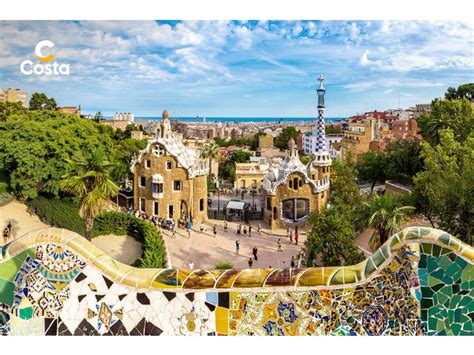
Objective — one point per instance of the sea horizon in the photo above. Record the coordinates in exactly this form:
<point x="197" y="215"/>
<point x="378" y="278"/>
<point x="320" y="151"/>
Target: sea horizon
<point x="239" y="119"/>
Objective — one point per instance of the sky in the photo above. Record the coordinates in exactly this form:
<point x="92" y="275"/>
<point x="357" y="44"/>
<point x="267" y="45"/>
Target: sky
<point x="241" y="68"/>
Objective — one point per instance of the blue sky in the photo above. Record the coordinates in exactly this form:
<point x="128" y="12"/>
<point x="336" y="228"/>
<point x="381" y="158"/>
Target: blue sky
<point x="241" y="68"/>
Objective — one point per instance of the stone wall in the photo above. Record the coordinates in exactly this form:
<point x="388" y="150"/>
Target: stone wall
<point x="54" y="282"/>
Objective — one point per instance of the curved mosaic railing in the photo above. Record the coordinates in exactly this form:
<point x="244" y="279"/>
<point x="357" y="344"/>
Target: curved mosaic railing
<point x="244" y="278"/>
<point x="53" y="281"/>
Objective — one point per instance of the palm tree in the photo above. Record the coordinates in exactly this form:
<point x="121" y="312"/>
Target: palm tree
<point x="210" y="151"/>
<point x="384" y="214"/>
<point x="89" y="179"/>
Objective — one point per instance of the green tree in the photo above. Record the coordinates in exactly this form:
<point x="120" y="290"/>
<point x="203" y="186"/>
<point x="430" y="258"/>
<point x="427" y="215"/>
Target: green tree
<point x="40" y="101"/>
<point x="89" y="179"/>
<point x="403" y="160"/>
<point x="332" y="237"/>
<point x="344" y="189"/>
<point x="464" y="91"/>
<point x="445" y="188"/>
<point x="34" y="147"/>
<point x="457" y="115"/>
<point x="384" y="214"/>
<point x="11" y="108"/>
<point x="240" y="157"/>
<point x="126" y="150"/>
<point x="210" y="151"/>
<point x="98" y="117"/>
<point x="372" y="168"/>
<point x="281" y="141"/>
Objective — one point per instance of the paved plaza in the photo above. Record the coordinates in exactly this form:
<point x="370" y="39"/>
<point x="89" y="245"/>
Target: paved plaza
<point x="204" y="250"/>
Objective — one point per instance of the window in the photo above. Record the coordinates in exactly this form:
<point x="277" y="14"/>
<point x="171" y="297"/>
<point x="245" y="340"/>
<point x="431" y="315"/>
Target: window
<point x="155" y="208"/>
<point x="148" y="164"/>
<point x="177" y="185"/>
<point x="269" y="203"/>
<point x="201" y="204"/>
<point x="295" y="183"/>
<point x="301" y="182"/>
<point x="290" y="184"/>
<point x="157" y="188"/>
<point x="295" y="209"/>
<point x="170" y="211"/>
<point x="142" y="181"/>
<point x="169" y="165"/>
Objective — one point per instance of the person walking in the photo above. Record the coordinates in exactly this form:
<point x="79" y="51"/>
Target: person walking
<point x="191" y="265"/>
<point x="289" y="233"/>
<point x="259" y="229"/>
<point x="189" y="233"/>
<point x="250" y="263"/>
<point x="214" y="230"/>
<point x="174" y="231"/>
<point x="296" y="235"/>
<point x="237" y="246"/>
<point x="250" y="231"/>
<point x="201" y="227"/>
<point x="245" y="230"/>
<point x="254" y="252"/>
<point x="225" y="226"/>
<point x="239" y="229"/>
<point x="279" y="245"/>
<point x="292" y="262"/>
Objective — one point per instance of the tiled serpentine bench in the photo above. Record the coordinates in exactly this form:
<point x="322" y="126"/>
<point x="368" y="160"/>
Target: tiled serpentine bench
<point x="54" y="282"/>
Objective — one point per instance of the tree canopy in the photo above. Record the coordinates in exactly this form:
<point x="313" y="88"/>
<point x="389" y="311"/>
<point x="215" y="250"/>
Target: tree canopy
<point x="444" y="190"/>
<point x="281" y="141"/>
<point x="464" y="91"/>
<point x="457" y="115"/>
<point x="40" y="101"/>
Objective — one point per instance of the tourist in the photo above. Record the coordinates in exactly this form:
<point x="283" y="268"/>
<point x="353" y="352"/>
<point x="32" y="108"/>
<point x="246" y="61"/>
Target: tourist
<point x="296" y="235"/>
<point x="214" y="230"/>
<point x="289" y="233"/>
<point x="250" y="262"/>
<point x="259" y="229"/>
<point x="237" y="246"/>
<point x="254" y="252"/>
<point x="189" y="233"/>
<point x="239" y="228"/>
<point x="191" y="265"/>
<point x="292" y="263"/>
<point x="225" y="226"/>
<point x="201" y="227"/>
<point x="279" y="245"/>
<point x="250" y="231"/>
<point x="173" y="228"/>
<point x="245" y="230"/>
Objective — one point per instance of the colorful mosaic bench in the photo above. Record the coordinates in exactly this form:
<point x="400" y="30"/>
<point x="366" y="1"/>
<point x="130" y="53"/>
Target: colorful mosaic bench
<point x="54" y="282"/>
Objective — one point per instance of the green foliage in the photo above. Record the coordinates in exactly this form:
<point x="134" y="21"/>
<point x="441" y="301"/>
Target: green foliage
<point x="332" y="237"/>
<point x="11" y="108"/>
<point x="211" y="185"/>
<point x="465" y="91"/>
<point x="223" y="265"/>
<point x="344" y="189"/>
<point x="61" y="213"/>
<point x="227" y="169"/>
<point x="372" y="168"/>
<point x="383" y="213"/>
<point x="403" y="160"/>
<point x="34" y="147"/>
<point x="40" y="101"/>
<point x="333" y="129"/>
<point x="240" y="157"/>
<point x="125" y="151"/>
<point x="304" y="158"/>
<point x="90" y="180"/>
<point x="251" y="142"/>
<point x="457" y="115"/>
<point x="281" y="141"/>
<point x="444" y="190"/>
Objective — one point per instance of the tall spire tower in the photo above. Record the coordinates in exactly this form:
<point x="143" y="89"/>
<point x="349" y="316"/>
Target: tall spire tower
<point x="321" y="154"/>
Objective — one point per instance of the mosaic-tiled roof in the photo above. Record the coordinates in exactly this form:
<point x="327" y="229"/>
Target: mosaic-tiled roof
<point x="188" y="158"/>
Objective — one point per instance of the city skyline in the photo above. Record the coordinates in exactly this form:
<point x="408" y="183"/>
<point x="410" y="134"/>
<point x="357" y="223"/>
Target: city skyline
<point x="241" y="68"/>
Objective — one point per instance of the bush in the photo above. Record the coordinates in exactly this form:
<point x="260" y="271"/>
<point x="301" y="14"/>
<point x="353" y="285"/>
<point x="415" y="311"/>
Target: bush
<point x="5" y="198"/>
<point x="61" y="213"/>
<point x="223" y="265"/>
<point x="65" y="214"/>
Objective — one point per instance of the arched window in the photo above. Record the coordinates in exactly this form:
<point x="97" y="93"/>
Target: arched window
<point x="290" y="184"/>
<point x="301" y="182"/>
<point x="295" y="183"/>
<point x="295" y="209"/>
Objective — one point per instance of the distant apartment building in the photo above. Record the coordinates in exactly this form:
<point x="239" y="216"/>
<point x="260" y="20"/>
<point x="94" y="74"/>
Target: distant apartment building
<point x="250" y="175"/>
<point x="120" y="120"/>
<point x="71" y="110"/>
<point x="265" y="141"/>
<point x="14" y="95"/>
<point x="406" y="129"/>
<point x="309" y="141"/>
